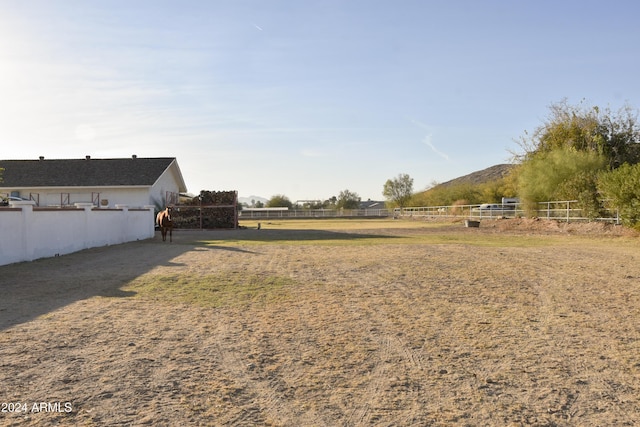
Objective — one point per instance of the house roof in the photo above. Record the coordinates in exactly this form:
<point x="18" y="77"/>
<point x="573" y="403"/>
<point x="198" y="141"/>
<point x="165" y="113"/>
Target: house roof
<point x="372" y="204"/>
<point x="88" y="172"/>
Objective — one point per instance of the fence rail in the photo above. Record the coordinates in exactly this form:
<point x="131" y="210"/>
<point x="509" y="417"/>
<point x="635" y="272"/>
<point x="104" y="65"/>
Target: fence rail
<point x="313" y="213"/>
<point x="563" y="210"/>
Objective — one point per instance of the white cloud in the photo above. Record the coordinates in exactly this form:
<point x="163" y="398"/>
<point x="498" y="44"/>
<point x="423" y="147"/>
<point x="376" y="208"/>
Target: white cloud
<point x="428" y="139"/>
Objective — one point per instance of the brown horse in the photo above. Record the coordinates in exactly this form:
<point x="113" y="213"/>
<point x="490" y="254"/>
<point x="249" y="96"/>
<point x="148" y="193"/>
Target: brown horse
<point x="163" y="219"/>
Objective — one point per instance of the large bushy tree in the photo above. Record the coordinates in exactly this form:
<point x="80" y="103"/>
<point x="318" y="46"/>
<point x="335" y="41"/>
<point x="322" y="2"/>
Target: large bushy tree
<point x="399" y="190"/>
<point x="348" y="200"/>
<point x="279" y="201"/>
<point x="614" y="135"/>
<point x="558" y="174"/>
<point x="564" y="158"/>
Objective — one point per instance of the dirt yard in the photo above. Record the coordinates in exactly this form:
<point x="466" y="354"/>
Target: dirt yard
<point x="513" y="323"/>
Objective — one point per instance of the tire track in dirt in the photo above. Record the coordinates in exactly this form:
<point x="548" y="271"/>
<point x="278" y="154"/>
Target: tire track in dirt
<point x="361" y="415"/>
<point x="263" y="391"/>
<point x="394" y="356"/>
<point x="395" y="361"/>
<point x="570" y="326"/>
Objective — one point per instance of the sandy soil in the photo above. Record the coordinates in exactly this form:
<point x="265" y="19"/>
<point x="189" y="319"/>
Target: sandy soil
<point x="360" y="334"/>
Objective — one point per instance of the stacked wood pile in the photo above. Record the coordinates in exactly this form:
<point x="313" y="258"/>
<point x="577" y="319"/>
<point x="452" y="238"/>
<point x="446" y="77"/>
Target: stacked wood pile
<point x="218" y="198"/>
<point x="211" y="209"/>
<point x="186" y="217"/>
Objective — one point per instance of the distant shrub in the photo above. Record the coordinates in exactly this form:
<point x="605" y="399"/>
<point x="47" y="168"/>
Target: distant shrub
<point x="457" y="207"/>
<point x="446" y="195"/>
<point x="559" y="174"/>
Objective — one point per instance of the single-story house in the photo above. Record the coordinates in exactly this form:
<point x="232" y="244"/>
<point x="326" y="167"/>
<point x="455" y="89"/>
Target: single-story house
<point x="134" y="181"/>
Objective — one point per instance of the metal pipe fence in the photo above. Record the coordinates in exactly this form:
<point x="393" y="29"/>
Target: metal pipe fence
<point x="313" y="213"/>
<point x="562" y="210"/>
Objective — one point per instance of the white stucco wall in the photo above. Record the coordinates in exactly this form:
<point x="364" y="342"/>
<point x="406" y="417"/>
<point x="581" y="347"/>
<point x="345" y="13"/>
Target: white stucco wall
<point x="29" y="234"/>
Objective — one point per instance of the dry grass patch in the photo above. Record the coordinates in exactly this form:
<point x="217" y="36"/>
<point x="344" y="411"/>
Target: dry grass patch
<point x="230" y="289"/>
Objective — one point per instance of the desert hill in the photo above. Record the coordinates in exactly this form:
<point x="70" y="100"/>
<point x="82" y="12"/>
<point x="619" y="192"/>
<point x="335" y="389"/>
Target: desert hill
<point x="480" y="177"/>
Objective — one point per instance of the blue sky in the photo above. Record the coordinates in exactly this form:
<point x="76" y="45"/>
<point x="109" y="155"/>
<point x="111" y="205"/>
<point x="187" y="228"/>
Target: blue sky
<point x="304" y="98"/>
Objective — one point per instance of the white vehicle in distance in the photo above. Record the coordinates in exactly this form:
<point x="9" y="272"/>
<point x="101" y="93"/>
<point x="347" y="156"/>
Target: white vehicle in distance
<point x="494" y="209"/>
<point x="507" y="207"/>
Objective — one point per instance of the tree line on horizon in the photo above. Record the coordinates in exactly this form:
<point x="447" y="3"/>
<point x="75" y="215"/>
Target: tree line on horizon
<point x="346" y="199"/>
<point x="398" y="192"/>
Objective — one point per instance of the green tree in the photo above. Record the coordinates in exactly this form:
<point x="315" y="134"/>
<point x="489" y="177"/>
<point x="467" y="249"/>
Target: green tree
<point x="493" y="191"/>
<point x="330" y="203"/>
<point x="315" y="204"/>
<point x="614" y="135"/>
<point x="348" y="200"/>
<point x="279" y="201"/>
<point x="398" y="190"/>
<point x="622" y="187"/>
<point x="559" y="174"/>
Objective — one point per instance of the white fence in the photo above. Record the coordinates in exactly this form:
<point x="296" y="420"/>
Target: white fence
<point x="564" y="210"/>
<point x="28" y="232"/>
<point x="312" y="213"/>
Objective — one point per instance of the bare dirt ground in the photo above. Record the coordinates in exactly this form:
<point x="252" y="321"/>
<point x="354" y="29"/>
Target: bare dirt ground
<point x="360" y="332"/>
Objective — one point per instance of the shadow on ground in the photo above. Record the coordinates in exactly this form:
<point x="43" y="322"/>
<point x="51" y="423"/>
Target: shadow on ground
<point x="32" y="289"/>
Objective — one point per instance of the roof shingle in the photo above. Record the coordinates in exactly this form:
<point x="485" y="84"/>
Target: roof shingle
<point x="83" y="172"/>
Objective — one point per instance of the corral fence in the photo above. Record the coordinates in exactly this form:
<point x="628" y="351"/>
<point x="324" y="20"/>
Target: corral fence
<point x="564" y="210"/>
<point x="561" y="210"/>
<point x="271" y="213"/>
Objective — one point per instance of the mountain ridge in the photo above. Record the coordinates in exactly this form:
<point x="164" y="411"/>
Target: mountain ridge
<point x="480" y="177"/>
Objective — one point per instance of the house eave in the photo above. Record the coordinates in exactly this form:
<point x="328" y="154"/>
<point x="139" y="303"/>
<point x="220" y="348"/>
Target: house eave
<point x="78" y="187"/>
<point x="182" y="186"/>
